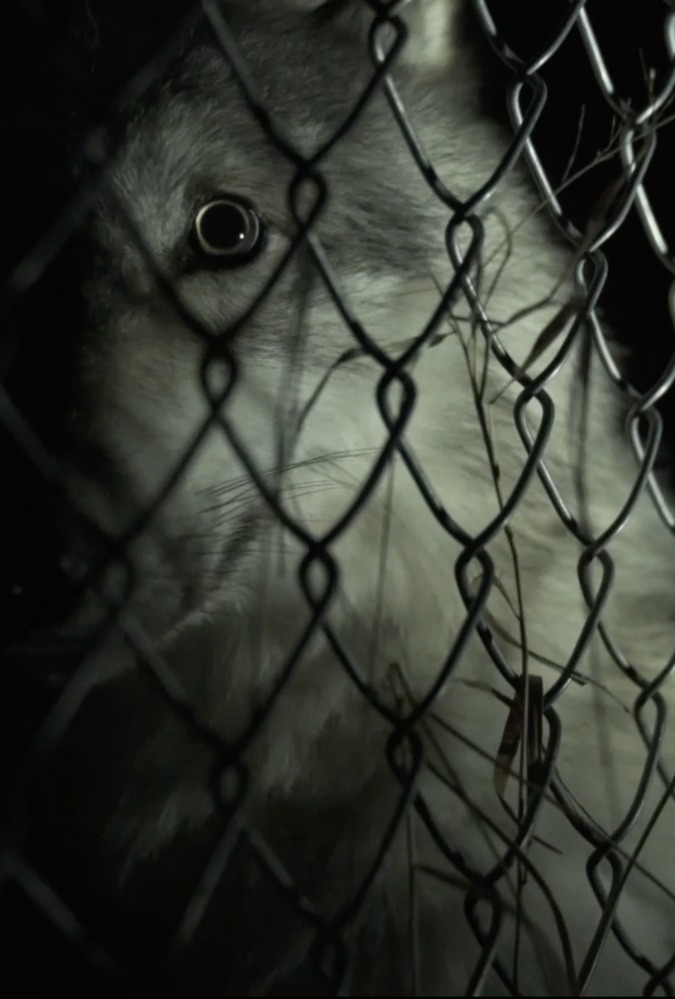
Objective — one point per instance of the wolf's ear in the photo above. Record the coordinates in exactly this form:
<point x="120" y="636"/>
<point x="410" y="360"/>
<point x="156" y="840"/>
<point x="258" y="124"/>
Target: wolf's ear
<point x="430" y="24"/>
<point x="432" y="31"/>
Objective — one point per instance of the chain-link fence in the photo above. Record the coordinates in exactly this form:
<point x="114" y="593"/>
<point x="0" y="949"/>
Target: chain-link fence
<point x="337" y="639"/>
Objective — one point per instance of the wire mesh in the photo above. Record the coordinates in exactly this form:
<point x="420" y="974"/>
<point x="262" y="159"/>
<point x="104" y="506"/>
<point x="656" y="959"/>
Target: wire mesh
<point x="258" y="841"/>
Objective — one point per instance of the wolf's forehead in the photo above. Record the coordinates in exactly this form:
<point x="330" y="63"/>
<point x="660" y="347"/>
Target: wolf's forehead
<point x="196" y="133"/>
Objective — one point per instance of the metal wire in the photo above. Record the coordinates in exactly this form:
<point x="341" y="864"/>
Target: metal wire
<point x="638" y="133"/>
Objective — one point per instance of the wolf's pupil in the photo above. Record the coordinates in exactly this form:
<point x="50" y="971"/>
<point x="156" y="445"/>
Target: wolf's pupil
<point x="226" y="228"/>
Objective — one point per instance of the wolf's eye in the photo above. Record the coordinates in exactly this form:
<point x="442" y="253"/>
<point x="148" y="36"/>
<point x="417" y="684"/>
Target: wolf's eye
<point x="226" y="231"/>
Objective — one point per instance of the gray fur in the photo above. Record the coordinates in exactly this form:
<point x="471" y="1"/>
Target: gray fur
<point x="217" y="593"/>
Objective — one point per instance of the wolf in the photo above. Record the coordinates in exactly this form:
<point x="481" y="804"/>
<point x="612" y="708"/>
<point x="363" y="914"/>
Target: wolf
<point x="376" y="655"/>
